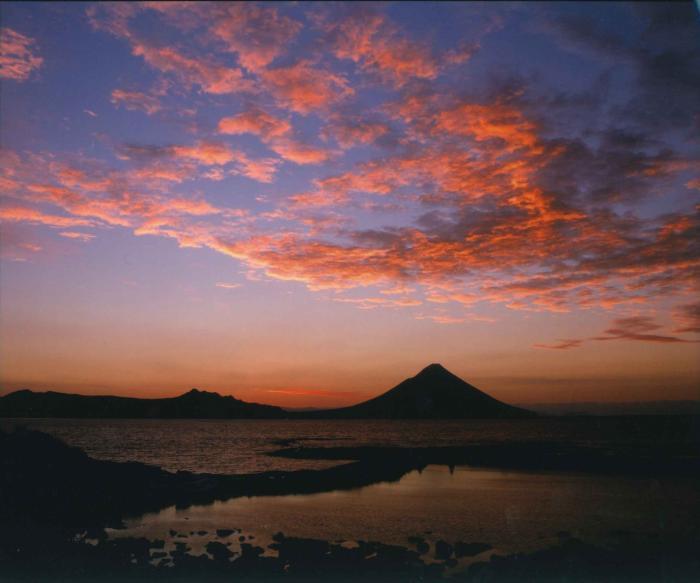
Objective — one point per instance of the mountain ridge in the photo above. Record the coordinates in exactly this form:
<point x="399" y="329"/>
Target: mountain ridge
<point x="434" y="393"/>
<point x="194" y="404"/>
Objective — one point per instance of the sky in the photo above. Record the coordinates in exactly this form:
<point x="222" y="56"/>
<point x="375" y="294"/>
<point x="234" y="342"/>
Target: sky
<point x="303" y="204"/>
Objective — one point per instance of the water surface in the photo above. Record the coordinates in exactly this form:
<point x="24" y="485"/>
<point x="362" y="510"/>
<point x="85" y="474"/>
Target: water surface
<point x="240" y="446"/>
<point x="512" y="511"/>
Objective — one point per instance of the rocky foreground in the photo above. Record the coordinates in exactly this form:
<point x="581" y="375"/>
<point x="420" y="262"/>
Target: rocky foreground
<point x="55" y="503"/>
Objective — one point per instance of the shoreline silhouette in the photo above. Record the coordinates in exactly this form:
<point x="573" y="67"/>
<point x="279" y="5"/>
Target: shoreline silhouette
<point x="434" y="393"/>
<point x="53" y="492"/>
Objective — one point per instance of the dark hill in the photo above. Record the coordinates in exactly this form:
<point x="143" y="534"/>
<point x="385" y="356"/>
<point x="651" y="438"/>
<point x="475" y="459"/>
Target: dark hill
<point x="193" y="404"/>
<point x="434" y="393"/>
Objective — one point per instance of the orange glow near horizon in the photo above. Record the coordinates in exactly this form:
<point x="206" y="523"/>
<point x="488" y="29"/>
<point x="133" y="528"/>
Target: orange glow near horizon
<point x="303" y="205"/>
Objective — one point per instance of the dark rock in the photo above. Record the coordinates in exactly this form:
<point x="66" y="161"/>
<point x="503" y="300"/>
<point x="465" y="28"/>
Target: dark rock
<point x="443" y="550"/>
<point x="463" y="549"/>
<point x="224" y="532"/>
<point x="248" y="551"/>
<point x="420" y="543"/>
<point x="219" y="551"/>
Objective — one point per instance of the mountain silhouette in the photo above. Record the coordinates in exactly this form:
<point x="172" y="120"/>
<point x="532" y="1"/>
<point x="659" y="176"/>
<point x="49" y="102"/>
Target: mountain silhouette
<point x="194" y="404"/>
<point x="434" y="393"/>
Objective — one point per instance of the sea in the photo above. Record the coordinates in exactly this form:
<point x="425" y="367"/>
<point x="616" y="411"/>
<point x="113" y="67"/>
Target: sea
<point x="510" y="511"/>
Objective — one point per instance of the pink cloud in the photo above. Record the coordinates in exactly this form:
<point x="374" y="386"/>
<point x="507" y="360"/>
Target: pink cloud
<point x="18" y="58"/>
<point x="304" y="88"/>
<point x="29" y="215"/>
<point x="76" y="235"/>
<point x="136" y="101"/>
<point x="276" y="133"/>
<point x="377" y="47"/>
<point x="349" y="132"/>
<point x="257" y="33"/>
<point x="211" y="77"/>
<point x="207" y="153"/>
<point x="489" y="122"/>
<point x="179" y="162"/>
<point x="262" y="170"/>
<point x="298" y="152"/>
<point x="255" y="121"/>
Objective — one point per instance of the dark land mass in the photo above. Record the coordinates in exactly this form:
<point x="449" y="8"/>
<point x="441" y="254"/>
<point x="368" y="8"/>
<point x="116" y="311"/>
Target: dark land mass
<point x="616" y="409"/>
<point x="42" y="478"/>
<point x="55" y="502"/>
<point x="191" y="405"/>
<point x="434" y="393"/>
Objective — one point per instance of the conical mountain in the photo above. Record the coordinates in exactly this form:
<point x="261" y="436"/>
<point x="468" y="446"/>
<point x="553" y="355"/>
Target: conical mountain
<point x="434" y="393"/>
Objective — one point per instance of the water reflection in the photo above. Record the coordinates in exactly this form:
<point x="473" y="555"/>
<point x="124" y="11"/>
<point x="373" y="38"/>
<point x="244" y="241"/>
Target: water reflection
<point x="240" y="446"/>
<point x="513" y="511"/>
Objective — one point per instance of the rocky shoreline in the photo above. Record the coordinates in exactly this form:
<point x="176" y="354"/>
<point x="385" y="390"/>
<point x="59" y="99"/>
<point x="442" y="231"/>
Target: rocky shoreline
<point x="55" y="503"/>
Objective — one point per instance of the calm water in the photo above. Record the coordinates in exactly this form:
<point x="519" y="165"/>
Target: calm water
<point x="512" y="511"/>
<point x="239" y="446"/>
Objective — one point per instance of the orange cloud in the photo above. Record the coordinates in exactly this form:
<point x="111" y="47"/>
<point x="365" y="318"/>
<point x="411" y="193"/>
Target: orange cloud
<point x="180" y="162"/>
<point x="119" y="198"/>
<point x="258" y="34"/>
<point x="255" y="121"/>
<point x="489" y="122"/>
<point x="303" y="88"/>
<point x="318" y="265"/>
<point x="207" y="153"/>
<point x="18" y="59"/>
<point x="160" y="171"/>
<point x="484" y="224"/>
<point x="274" y="132"/>
<point x="262" y="170"/>
<point x="76" y="235"/>
<point x="29" y="215"/>
<point x="370" y="41"/>
<point x="352" y="132"/>
<point x="212" y="78"/>
<point x="298" y="152"/>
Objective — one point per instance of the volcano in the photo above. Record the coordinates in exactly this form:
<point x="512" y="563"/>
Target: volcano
<point x="434" y="393"/>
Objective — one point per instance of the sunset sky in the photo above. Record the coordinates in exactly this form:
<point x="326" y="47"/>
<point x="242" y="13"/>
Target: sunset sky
<point x="303" y="204"/>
